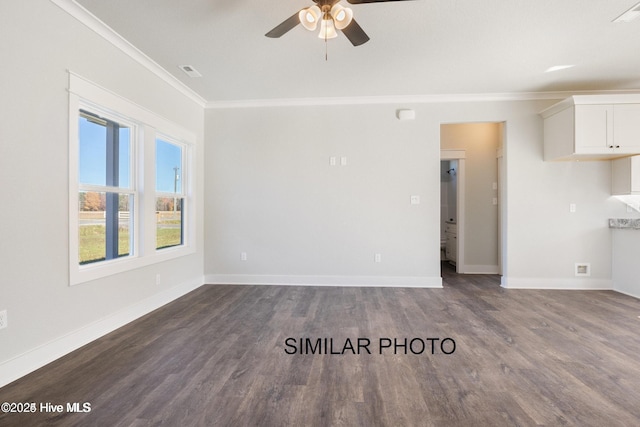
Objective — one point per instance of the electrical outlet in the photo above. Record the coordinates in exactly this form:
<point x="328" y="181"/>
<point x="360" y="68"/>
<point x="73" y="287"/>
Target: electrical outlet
<point x="243" y="256"/>
<point x="3" y="319"/>
<point x="157" y="279"/>
<point x="377" y="258"/>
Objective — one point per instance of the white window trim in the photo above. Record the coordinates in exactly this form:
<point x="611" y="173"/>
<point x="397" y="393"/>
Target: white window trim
<point x="136" y="136"/>
<point x="86" y="95"/>
<point x="185" y="184"/>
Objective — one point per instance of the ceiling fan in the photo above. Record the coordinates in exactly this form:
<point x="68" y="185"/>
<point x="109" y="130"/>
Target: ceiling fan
<point x="332" y="16"/>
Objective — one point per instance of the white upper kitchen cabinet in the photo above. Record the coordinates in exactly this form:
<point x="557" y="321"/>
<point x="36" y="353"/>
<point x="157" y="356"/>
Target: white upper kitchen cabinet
<point x="592" y="127"/>
<point x="626" y="127"/>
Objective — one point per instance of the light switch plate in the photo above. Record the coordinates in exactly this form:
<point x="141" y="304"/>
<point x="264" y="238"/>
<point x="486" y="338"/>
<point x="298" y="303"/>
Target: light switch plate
<point x="415" y="200"/>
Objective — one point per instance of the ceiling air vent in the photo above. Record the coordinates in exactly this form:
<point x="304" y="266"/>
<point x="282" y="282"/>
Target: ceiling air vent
<point x="629" y="15"/>
<point x="190" y="71"/>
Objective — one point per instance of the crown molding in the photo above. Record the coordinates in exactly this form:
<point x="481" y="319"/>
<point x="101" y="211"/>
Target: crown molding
<point x="95" y="24"/>
<point x="407" y="99"/>
<point x="106" y="32"/>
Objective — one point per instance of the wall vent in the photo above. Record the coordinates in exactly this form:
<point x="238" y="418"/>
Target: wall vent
<point x="583" y="269"/>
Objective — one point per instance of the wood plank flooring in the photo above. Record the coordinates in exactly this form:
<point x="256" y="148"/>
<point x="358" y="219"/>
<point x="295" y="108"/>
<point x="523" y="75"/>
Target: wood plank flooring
<point x="217" y="357"/>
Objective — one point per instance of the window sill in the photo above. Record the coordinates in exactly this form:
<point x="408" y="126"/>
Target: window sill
<point x="89" y="272"/>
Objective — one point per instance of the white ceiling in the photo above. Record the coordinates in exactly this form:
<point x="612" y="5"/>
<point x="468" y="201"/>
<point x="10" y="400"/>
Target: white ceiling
<point x="421" y="47"/>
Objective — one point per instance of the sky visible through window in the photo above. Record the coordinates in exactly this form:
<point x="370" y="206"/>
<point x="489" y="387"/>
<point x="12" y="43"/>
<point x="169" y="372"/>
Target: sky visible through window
<point x="168" y="167"/>
<point x="93" y="158"/>
<point x="93" y="154"/>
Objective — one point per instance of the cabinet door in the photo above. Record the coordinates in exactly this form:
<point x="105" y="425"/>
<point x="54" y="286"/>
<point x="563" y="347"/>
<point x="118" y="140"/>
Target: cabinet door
<point x="451" y="251"/>
<point x="626" y="128"/>
<point x="594" y="129"/>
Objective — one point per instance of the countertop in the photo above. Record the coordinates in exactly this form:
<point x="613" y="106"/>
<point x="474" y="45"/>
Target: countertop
<point x="624" y="223"/>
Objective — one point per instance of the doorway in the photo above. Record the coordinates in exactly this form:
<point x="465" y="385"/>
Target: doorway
<point x="452" y="208"/>
<point x="470" y="156"/>
<point x="448" y="210"/>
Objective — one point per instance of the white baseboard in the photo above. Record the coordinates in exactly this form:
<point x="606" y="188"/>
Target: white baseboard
<point x="551" y="283"/>
<point x="361" y="281"/>
<point x="36" y="358"/>
<point x="631" y="294"/>
<point x="480" y="269"/>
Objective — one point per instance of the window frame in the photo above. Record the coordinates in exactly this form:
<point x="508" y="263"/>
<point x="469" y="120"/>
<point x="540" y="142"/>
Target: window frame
<point x="84" y="95"/>
<point x="131" y="191"/>
<point x="182" y="194"/>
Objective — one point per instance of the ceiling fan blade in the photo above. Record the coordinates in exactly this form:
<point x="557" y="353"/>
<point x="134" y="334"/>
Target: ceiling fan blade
<point x="355" y="33"/>
<point x="371" y="1"/>
<point x="287" y="25"/>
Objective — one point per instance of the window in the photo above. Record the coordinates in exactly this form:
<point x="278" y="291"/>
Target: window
<point x="106" y="195"/>
<point x="169" y="194"/>
<point x="128" y="207"/>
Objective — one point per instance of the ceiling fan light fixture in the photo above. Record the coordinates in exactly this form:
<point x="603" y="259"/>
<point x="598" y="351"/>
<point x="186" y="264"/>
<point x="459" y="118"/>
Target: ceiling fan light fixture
<point x="342" y="16"/>
<point x="327" y="29"/>
<point x="309" y="17"/>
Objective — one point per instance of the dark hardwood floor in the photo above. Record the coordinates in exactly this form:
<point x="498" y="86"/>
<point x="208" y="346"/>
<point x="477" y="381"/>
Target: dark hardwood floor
<point x="218" y="357"/>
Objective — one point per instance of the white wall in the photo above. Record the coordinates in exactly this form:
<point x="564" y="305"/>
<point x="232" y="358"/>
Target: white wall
<point x="626" y="269"/>
<point x="272" y="193"/>
<point x="47" y="317"/>
<point x="545" y="239"/>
